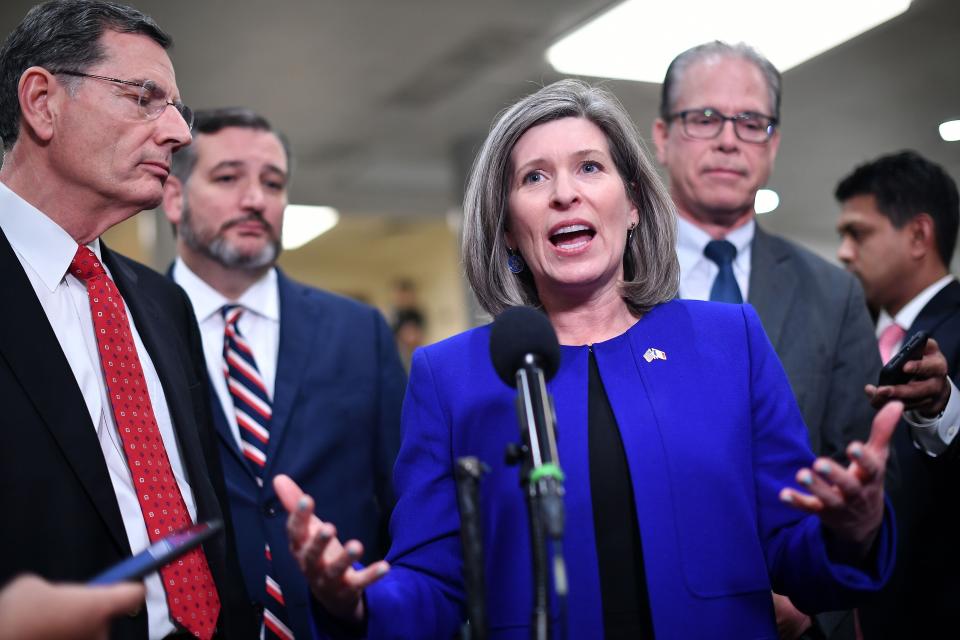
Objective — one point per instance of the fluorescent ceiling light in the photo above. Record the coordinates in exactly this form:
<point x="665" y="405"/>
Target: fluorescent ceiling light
<point x="636" y="40"/>
<point x="303" y="223"/>
<point x="766" y="201"/>
<point x="950" y="130"/>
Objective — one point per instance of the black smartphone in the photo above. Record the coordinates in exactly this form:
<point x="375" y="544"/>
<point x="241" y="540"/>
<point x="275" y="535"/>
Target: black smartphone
<point x="892" y="372"/>
<point x="161" y="552"/>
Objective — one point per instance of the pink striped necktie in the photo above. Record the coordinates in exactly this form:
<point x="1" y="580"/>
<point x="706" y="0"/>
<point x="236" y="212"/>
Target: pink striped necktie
<point x="253" y="409"/>
<point x="889" y="339"/>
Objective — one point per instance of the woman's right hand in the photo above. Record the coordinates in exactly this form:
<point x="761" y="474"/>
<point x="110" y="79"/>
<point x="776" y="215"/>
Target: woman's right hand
<point x="326" y="563"/>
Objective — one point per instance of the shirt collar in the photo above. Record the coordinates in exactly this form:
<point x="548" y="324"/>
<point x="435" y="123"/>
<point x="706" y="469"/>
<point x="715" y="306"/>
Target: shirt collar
<point x="908" y="315"/>
<point x="692" y="240"/>
<point x="262" y="298"/>
<point x="37" y="239"/>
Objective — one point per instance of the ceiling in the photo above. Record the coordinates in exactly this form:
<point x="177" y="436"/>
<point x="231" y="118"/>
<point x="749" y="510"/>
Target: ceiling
<point x="385" y="100"/>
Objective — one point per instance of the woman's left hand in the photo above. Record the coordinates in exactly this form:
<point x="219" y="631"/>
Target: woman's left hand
<point x="849" y="501"/>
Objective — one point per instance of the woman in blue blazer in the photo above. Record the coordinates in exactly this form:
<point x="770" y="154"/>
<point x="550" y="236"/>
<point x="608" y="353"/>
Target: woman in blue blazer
<point x="676" y="427"/>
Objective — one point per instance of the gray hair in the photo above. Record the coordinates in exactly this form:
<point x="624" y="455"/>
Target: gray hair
<point x="717" y="49"/>
<point x="62" y="35"/>
<point x="651" y="270"/>
<point x="210" y="121"/>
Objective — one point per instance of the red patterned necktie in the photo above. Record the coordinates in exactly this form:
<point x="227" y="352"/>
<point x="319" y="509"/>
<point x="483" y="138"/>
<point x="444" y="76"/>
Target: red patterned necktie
<point x="191" y="593"/>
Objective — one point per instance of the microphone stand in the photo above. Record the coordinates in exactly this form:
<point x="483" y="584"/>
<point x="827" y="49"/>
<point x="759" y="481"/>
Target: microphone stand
<point x="542" y="481"/>
<point x="467" y="473"/>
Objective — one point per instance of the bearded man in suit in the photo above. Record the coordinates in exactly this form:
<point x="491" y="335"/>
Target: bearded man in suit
<point x="304" y="382"/>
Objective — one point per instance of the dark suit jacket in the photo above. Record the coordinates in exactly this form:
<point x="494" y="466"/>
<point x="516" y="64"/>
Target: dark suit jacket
<point x="60" y="514"/>
<point x="923" y="597"/>
<point x="335" y="430"/>
<point x="815" y="315"/>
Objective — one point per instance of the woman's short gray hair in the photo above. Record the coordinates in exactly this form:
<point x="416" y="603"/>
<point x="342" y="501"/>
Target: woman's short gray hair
<point x="651" y="270"/>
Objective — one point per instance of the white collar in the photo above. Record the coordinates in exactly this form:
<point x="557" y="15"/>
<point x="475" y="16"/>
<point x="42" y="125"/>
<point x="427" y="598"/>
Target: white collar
<point x="262" y="297"/>
<point x="692" y="240"/>
<point x="908" y="315"/>
<point x="37" y="239"/>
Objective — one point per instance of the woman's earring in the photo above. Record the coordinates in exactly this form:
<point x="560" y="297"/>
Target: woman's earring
<point x="515" y="261"/>
<point x="630" y="232"/>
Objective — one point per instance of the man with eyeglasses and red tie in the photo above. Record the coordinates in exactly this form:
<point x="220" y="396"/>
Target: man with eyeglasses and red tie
<point x="717" y="137"/>
<point x="108" y="444"/>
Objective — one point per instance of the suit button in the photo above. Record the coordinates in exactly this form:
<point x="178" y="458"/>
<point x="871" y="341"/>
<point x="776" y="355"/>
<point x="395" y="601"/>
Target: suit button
<point x="270" y="510"/>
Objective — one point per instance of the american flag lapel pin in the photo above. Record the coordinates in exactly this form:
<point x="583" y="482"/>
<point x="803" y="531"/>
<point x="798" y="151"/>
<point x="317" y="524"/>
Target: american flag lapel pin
<point x="654" y="354"/>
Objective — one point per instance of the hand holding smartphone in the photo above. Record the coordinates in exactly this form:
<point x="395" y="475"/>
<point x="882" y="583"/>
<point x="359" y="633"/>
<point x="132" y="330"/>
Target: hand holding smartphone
<point x="892" y="372"/>
<point x="158" y="554"/>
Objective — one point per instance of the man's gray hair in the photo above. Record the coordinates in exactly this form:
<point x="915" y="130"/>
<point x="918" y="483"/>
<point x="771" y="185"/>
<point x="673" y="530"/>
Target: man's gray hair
<point x="62" y="35"/>
<point x="717" y="49"/>
<point x="651" y="270"/>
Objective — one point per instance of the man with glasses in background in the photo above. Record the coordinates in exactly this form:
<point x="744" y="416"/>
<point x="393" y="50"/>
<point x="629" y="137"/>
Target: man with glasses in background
<point x="107" y="439"/>
<point x="717" y="138"/>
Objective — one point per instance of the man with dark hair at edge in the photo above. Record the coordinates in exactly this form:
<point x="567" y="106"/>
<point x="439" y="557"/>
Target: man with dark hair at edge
<point x="898" y="227"/>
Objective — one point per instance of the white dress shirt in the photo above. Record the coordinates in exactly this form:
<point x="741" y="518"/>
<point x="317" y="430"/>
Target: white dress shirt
<point x="45" y="250"/>
<point x="259" y="324"/>
<point x="697" y="271"/>
<point x="932" y="435"/>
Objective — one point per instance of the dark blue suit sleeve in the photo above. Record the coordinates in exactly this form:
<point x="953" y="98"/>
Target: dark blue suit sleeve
<point x="392" y="384"/>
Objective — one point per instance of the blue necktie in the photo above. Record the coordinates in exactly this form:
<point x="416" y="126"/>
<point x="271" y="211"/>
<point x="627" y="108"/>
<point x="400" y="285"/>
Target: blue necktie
<point x="724" y="288"/>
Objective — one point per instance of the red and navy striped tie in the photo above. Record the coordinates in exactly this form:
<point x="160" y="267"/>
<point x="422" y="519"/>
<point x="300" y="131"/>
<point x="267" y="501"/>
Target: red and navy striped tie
<point x="253" y="409"/>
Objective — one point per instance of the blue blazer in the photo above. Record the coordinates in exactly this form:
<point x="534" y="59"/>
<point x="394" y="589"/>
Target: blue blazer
<point x="335" y="431"/>
<point x="711" y="435"/>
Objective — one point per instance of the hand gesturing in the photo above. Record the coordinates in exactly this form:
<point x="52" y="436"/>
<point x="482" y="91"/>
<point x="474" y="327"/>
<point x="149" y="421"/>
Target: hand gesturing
<point x="849" y="501"/>
<point x="326" y="563"/>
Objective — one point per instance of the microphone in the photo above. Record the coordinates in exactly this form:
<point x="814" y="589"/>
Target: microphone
<point x="525" y="353"/>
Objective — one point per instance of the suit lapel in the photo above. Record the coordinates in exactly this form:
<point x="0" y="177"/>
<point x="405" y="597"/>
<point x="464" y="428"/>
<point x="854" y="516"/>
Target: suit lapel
<point x="228" y="441"/>
<point x="31" y="349"/>
<point x="773" y="283"/>
<point x="301" y="321"/>
<point x="942" y="306"/>
<point x="220" y="423"/>
<point x="159" y="338"/>
<point x="645" y="397"/>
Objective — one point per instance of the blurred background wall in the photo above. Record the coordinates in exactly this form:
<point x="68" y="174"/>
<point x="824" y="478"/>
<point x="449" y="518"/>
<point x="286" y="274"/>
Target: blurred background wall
<point x="385" y="103"/>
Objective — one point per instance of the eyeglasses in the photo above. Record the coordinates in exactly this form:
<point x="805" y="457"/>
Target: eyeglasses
<point x="152" y="100"/>
<point x="705" y="124"/>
